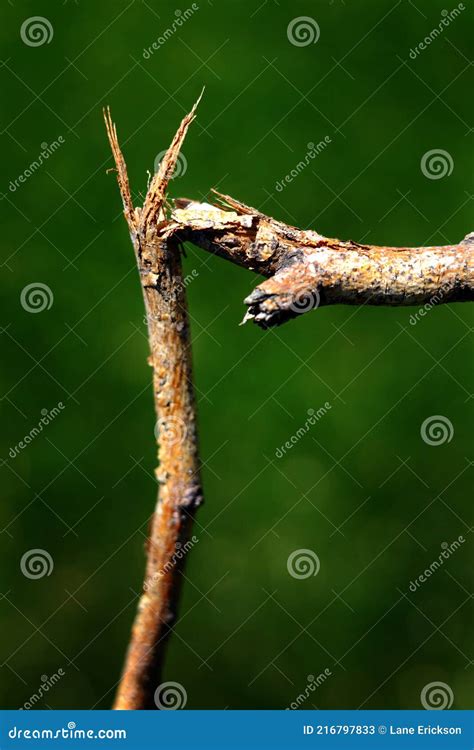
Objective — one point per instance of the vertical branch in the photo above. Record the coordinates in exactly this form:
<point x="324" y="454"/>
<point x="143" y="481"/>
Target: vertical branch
<point x="179" y="495"/>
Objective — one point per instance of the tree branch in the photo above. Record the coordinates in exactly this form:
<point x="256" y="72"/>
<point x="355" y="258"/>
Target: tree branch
<point x="305" y="269"/>
<point x="159" y="266"/>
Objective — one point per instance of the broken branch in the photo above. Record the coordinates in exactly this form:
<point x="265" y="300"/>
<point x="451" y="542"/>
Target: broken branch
<point x="306" y="270"/>
<point x="179" y="495"/>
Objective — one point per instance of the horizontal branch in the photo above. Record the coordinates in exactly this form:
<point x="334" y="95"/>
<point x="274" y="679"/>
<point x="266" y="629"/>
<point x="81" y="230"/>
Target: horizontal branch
<point x="306" y="270"/>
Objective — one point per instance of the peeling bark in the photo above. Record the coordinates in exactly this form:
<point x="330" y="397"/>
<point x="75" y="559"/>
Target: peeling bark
<point x="179" y="495"/>
<point x="306" y="270"/>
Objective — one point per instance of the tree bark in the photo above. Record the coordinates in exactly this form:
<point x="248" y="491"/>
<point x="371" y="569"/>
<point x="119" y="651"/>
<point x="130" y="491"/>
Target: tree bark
<point x="179" y="495"/>
<point x="306" y="270"/>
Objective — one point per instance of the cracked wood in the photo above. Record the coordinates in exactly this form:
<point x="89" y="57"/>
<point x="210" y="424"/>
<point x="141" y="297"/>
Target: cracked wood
<point x="306" y="270"/>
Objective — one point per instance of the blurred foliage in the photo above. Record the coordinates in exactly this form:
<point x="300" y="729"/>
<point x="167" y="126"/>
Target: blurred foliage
<point x="361" y="489"/>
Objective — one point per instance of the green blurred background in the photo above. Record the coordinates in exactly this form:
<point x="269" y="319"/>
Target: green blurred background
<point x="361" y="489"/>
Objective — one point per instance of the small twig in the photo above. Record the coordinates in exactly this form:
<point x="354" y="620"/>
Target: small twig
<point x="159" y="266"/>
<point x="306" y="270"/>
